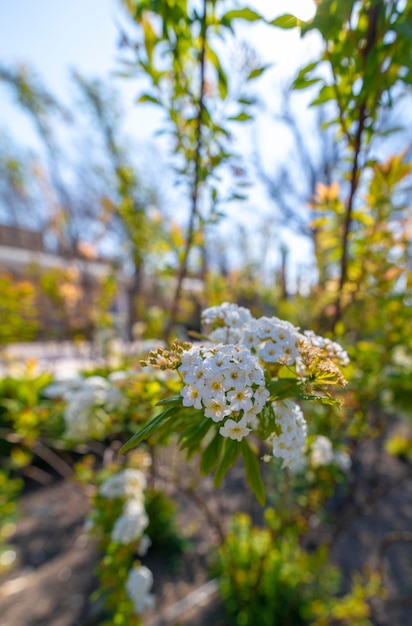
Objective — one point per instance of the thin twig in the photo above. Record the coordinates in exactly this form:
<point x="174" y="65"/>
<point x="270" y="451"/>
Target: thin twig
<point x="196" y="181"/>
<point x="355" y="173"/>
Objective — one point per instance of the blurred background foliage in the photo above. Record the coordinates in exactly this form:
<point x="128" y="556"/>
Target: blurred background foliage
<point x="126" y="265"/>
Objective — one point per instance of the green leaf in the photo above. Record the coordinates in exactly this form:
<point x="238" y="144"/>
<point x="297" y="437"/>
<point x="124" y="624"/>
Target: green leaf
<point x="193" y="435"/>
<point x="221" y="75"/>
<point x="256" y="72"/>
<point x="283" y="388"/>
<point x="147" y="97"/>
<point x="150" y="428"/>
<point x="303" y="83"/>
<point x="241" y="117"/>
<point x="241" y="14"/>
<point x="247" y="101"/>
<point x="322" y="399"/>
<point x="286" y="21"/>
<point x="326" y="93"/>
<point x="172" y="400"/>
<point x="231" y="452"/>
<point x="253" y="474"/>
<point x="211" y="454"/>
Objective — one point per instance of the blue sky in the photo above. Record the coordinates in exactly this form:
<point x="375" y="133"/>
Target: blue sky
<point x="54" y="37"/>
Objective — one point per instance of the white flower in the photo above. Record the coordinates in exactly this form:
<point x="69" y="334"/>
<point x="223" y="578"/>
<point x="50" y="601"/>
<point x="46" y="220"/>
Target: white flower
<point x="342" y="460"/>
<point x="228" y="314"/>
<point x="131" y="524"/>
<point x="234" y="430"/>
<point x="138" y="585"/>
<point x="331" y="348"/>
<point x="214" y="385"/>
<point x="118" y="376"/>
<point x="216" y="408"/>
<point x="270" y="352"/>
<point x="290" y="443"/>
<point x="261" y="396"/>
<point x="235" y="378"/>
<point x="60" y="388"/>
<point x="229" y="376"/>
<point x="191" y="396"/>
<point x="128" y="483"/>
<point x="240" y="399"/>
<point x="321" y="452"/>
<point x="144" y="545"/>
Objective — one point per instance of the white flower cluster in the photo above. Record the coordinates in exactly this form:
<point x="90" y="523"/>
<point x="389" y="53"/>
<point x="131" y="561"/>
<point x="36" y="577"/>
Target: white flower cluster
<point x="227" y="381"/>
<point x="322" y="453"/>
<point x="84" y="398"/>
<point x="230" y="318"/>
<point x="333" y="349"/>
<point x="129" y="485"/>
<point x="288" y="445"/>
<point x="129" y="527"/>
<point x="138" y="585"/>
<point x="274" y="340"/>
<point x="223" y="381"/>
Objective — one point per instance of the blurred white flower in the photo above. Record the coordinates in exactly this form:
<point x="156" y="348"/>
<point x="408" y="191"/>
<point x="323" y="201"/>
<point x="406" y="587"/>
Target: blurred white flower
<point x="128" y="483"/>
<point x="138" y="585"/>
<point x="321" y="452"/>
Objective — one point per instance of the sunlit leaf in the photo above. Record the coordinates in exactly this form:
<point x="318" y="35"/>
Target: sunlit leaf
<point x="230" y="454"/>
<point x="150" y="428"/>
<point x="253" y="474"/>
<point x="147" y="97"/>
<point x="286" y="21"/>
<point x="241" y="117"/>
<point x="242" y="14"/>
<point x="256" y="72"/>
<point x="211" y="454"/>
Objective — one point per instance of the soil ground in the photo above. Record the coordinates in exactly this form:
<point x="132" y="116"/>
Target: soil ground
<point x="53" y="579"/>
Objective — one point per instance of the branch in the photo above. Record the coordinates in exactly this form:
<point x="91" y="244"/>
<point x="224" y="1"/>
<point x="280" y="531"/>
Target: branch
<point x="355" y="174"/>
<point x="196" y="182"/>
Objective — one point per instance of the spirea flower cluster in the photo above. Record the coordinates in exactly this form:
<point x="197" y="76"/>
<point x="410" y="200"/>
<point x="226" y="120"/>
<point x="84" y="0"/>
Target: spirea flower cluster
<point x="288" y="445"/>
<point x="224" y="381"/>
<point x="138" y="585"/>
<point x="272" y="339"/>
<point x="129" y="527"/>
<point x="322" y="453"/>
<point x="129" y="485"/>
<point x="229" y="380"/>
<point x="88" y="403"/>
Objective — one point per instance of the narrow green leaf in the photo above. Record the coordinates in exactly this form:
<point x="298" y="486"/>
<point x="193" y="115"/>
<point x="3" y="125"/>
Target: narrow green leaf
<point x="242" y="14"/>
<point x="221" y="75"/>
<point x="172" y="400"/>
<point x="283" y="388"/>
<point x="286" y="21"/>
<point x="256" y="72"/>
<point x="321" y="399"/>
<point x="326" y="93"/>
<point x="241" y="117"/>
<point x="247" y="101"/>
<point x="303" y="83"/>
<point x="192" y="436"/>
<point x="211" y="454"/>
<point x="253" y="474"/>
<point x="231" y="452"/>
<point x="147" y="97"/>
<point x="150" y="428"/>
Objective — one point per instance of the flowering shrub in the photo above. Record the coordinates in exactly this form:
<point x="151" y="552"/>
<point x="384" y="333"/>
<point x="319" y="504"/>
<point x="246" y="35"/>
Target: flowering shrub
<point x="266" y="578"/>
<point x="119" y="520"/>
<point x="244" y="382"/>
<point x="89" y="403"/>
